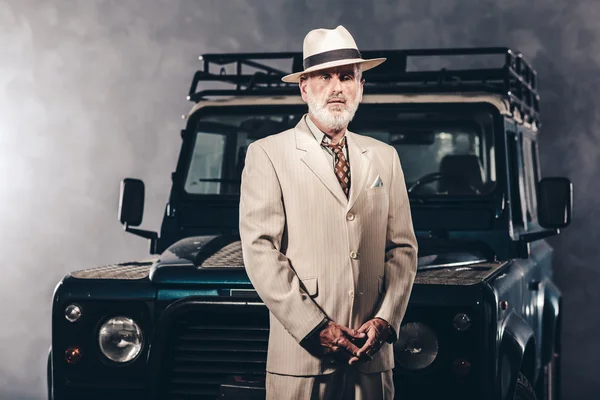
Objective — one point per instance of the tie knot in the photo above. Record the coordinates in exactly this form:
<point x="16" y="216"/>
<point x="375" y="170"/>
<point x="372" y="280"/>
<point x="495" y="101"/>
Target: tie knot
<point x="335" y="147"/>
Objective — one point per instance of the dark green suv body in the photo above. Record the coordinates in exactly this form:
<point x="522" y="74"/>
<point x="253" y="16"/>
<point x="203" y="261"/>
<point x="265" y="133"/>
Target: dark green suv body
<point x="484" y="316"/>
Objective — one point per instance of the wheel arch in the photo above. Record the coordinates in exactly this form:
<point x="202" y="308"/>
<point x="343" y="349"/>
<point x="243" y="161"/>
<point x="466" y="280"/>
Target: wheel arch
<point x="517" y="354"/>
<point x="551" y="321"/>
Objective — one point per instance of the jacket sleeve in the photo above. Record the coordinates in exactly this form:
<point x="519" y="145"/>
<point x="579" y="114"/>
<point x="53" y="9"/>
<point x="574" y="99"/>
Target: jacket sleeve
<point x="262" y="222"/>
<point x="400" y="251"/>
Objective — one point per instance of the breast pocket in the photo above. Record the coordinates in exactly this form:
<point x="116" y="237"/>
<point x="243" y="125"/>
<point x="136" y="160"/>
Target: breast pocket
<point x="376" y="191"/>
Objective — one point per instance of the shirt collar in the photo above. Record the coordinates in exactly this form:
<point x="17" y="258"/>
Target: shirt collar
<point x="316" y="132"/>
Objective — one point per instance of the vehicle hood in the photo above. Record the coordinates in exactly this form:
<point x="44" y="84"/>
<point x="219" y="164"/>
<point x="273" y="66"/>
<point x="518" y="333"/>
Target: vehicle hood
<point x="190" y="259"/>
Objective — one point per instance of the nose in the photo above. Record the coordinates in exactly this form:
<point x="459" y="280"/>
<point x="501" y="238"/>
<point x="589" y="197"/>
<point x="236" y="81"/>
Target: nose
<point x="336" y="84"/>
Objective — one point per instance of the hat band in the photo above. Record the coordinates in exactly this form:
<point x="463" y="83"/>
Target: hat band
<point x="332" y="55"/>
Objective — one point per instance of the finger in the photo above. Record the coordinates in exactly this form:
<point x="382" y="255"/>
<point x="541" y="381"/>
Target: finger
<point x="363" y="328"/>
<point x="364" y="354"/>
<point x="344" y="357"/>
<point x="353" y="360"/>
<point x="352" y="332"/>
<point x="369" y="344"/>
<point x="371" y="340"/>
<point x="339" y="353"/>
<point x="364" y="358"/>
<point x="348" y="346"/>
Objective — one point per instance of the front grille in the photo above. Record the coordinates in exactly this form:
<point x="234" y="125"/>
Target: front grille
<point x="211" y="344"/>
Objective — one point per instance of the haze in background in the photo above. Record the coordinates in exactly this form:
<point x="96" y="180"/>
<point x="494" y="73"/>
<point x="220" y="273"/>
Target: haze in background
<point x="91" y="92"/>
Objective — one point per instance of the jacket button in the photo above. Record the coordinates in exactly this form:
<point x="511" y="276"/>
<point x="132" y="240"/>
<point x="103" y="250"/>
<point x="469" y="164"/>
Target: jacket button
<point x="350" y="217"/>
<point x="351" y="293"/>
<point x="353" y="255"/>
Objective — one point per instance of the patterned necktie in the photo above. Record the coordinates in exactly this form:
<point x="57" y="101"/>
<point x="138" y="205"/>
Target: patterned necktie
<point x="342" y="168"/>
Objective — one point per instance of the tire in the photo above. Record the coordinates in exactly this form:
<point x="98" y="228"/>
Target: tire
<point x="524" y="390"/>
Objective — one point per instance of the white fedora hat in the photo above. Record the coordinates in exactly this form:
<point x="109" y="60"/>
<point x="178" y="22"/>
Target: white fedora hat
<point x="327" y="48"/>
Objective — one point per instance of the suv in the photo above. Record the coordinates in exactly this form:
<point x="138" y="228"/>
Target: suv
<point x="484" y="317"/>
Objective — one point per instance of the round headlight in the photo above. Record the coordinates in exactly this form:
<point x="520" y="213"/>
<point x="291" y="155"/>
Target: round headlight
<point x="417" y="346"/>
<point x="120" y="339"/>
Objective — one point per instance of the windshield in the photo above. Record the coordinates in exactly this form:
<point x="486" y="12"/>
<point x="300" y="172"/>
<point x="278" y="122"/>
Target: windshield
<point x="445" y="152"/>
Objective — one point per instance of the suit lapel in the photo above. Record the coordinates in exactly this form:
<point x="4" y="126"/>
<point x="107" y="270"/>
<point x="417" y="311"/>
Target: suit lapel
<point x="360" y="163"/>
<point x="317" y="162"/>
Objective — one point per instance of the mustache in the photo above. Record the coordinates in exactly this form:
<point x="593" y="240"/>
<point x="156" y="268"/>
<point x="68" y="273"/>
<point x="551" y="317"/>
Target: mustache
<point x="336" y="98"/>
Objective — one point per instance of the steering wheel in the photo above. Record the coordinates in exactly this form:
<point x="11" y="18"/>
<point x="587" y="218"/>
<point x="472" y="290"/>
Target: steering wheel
<point x="425" y="179"/>
<point x="432" y="177"/>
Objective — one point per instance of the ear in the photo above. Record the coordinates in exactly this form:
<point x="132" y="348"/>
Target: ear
<point x="302" y="84"/>
<point x="361" y="86"/>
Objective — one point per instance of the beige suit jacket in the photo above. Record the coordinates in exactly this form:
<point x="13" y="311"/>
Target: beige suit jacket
<point x="310" y="252"/>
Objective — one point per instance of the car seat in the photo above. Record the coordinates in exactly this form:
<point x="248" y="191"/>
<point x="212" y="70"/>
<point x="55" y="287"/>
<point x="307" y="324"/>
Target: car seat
<point x="462" y="174"/>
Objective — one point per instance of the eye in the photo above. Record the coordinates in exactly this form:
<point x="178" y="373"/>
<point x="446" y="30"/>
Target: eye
<point x="325" y="77"/>
<point x="347" y="77"/>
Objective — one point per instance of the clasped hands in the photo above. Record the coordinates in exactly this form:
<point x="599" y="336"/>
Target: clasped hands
<point x="343" y="343"/>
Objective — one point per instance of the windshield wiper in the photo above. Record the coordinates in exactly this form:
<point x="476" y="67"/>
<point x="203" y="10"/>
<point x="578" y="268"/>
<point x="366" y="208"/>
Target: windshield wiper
<point x="438" y="253"/>
<point x="219" y="180"/>
<point x="417" y="200"/>
<point x="442" y="261"/>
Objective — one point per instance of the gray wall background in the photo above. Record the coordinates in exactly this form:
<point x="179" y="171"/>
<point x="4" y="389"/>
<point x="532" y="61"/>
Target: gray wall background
<point x="92" y="91"/>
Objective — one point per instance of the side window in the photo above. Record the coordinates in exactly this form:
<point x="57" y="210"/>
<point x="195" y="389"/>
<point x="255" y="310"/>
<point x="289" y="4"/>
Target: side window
<point x="530" y="174"/>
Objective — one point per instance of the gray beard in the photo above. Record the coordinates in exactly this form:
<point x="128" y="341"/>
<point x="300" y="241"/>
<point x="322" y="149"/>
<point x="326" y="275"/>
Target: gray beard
<point x="335" y="121"/>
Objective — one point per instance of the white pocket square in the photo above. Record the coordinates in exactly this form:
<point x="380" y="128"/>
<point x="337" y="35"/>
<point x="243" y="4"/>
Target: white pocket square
<point x="376" y="183"/>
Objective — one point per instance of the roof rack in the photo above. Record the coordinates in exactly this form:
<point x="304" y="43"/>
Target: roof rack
<point x="515" y="78"/>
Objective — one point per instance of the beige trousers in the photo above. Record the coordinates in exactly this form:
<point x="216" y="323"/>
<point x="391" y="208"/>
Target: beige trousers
<point x="346" y="383"/>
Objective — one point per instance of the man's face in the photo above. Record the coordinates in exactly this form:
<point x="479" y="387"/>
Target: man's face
<point x="333" y="96"/>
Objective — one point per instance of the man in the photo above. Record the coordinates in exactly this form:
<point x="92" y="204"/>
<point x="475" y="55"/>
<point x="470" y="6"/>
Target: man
<point x="327" y="237"/>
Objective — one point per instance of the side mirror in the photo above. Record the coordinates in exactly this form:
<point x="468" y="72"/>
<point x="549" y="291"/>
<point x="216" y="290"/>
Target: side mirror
<point x="131" y="202"/>
<point x="555" y="202"/>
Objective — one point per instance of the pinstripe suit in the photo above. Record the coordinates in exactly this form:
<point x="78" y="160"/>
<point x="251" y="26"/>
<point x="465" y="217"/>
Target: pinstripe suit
<point x="310" y="252"/>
